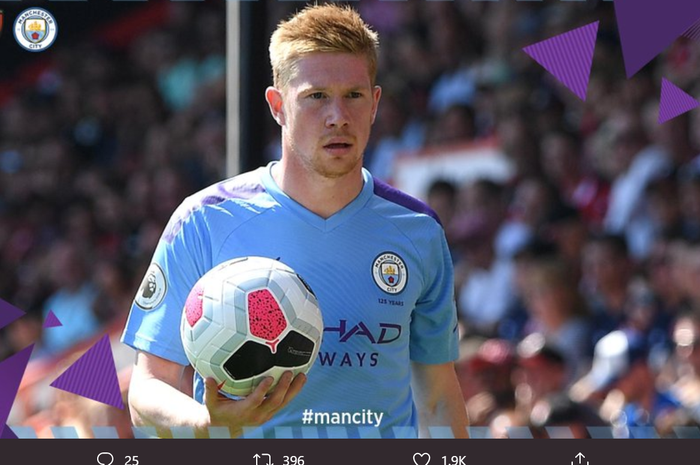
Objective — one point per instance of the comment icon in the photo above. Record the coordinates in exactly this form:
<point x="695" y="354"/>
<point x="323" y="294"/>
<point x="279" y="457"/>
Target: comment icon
<point x="105" y="458"/>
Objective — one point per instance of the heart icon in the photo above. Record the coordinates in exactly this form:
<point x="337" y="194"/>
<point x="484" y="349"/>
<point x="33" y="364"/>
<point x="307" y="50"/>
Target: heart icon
<point x="421" y="459"/>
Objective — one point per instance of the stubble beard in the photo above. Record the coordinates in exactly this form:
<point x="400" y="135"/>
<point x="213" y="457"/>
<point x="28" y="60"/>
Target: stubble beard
<point x="332" y="169"/>
<point x="326" y="166"/>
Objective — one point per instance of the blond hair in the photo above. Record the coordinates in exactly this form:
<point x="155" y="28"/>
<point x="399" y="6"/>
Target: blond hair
<point x="321" y="28"/>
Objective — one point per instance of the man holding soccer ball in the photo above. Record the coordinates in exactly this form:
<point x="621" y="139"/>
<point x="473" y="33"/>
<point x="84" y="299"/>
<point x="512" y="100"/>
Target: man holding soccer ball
<point x="376" y="259"/>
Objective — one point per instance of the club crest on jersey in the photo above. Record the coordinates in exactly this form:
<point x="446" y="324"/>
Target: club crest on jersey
<point x="390" y="273"/>
<point x="153" y="288"/>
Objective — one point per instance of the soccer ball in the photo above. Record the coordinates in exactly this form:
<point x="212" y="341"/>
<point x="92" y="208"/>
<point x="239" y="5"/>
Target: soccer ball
<point x="250" y="318"/>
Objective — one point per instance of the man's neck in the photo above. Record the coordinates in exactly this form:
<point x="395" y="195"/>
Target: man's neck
<point x="318" y="194"/>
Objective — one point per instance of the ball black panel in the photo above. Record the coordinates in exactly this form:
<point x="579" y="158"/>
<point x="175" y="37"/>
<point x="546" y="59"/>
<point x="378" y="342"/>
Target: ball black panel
<point x="254" y="358"/>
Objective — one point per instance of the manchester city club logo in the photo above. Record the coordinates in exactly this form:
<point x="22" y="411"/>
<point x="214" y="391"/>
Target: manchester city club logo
<point x="35" y="29"/>
<point x="153" y="288"/>
<point x="390" y="273"/>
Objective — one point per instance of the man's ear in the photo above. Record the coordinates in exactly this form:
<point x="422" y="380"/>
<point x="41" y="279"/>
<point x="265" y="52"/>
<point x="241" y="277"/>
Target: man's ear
<point x="274" y="101"/>
<point x="376" y="95"/>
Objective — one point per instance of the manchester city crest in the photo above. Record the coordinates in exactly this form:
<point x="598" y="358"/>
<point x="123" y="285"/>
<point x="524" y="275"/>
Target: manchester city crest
<point x="390" y="273"/>
<point x="35" y="29"/>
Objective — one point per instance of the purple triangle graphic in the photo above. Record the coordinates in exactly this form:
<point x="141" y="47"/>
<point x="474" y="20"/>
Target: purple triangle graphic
<point x="568" y="57"/>
<point x="674" y="101"/>
<point x="11" y="372"/>
<point x="8" y="313"/>
<point x="647" y="27"/>
<point x="7" y="433"/>
<point x="52" y="320"/>
<point x="93" y="376"/>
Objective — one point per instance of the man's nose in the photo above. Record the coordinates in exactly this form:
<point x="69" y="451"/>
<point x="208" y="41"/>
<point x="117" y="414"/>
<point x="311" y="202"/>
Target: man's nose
<point x="337" y="113"/>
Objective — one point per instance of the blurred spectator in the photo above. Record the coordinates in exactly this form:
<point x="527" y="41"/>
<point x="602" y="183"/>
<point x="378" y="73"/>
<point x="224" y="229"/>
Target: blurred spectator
<point x="672" y="137"/>
<point x="453" y="126"/>
<point x="512" y="326"/>
<point x="665" y="209"/>
<point x="533" y="199"/>
<point x="442" y="199"/>
<point x="114" y="290"/>
<point x="74" y="298"/>
<point x="486" y="290"/>
<point x="558" y="410"/>
<point x="607" y="271"/>
<point x="541" y="371"/>
<point x="492" y="367"/>
<point x="565" y="228"/>
<point x="686" y="272"/>
<point x="469" y="383"/>
<point x="621" y="370"/>
<point x="686" y="337"/>
<point x="24" y="332"/>
<point x="451" y="46"/>
<point x="690" y="201"/>
<point x="558" y="312"/>
<point x="635" y="163"/>
<point x="663" y="274"/>
<point x="561" y="161"/>
<point x="394" y="133"/>
<point x="485" y="198"/>
<point x="643" y="313"/>
<point x="519" y="144"/>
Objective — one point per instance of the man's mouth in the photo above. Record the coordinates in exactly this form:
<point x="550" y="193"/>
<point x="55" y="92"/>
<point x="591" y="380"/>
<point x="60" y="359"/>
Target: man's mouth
<point x="337" y="145"/>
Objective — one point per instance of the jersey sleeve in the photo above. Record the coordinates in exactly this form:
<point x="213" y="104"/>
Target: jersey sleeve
<point x="182" y="256"/>
<point x="434" y="335"/>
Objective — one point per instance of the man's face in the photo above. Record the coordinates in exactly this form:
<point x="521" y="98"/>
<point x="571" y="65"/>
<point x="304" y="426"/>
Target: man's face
<point x="326" y="111"/>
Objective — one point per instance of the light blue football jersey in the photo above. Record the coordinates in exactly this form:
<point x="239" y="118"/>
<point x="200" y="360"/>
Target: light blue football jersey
<point x="380" y="269"/>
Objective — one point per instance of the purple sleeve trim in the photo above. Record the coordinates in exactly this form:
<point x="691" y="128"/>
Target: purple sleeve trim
<point x="234" y="188"/>
<point x="394" y="195"/>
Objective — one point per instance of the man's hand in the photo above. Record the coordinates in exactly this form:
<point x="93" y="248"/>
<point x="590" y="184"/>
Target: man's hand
<point x="161" y="390"/>
<point x="256" y="409"/>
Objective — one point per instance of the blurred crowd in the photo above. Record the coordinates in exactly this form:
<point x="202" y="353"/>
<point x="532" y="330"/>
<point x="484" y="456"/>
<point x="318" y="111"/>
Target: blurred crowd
<point x="94" y="157"/>
<point x="576" y="279"/>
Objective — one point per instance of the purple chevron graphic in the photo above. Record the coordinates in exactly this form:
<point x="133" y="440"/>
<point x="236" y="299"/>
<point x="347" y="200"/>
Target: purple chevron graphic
<point x="52" y="320"/>
<point x="7" y="433"/>
<point x="647" y="27"/>
<point x="11" y="372"/>
<point x="8" y="313"/>
<point x="93" y="376"/>
<point x="568" y="57"/>
<point x="674" y="101"/>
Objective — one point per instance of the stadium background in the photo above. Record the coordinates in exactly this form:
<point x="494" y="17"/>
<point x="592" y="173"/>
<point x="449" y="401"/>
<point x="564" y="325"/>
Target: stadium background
<point x="567" y="220"/>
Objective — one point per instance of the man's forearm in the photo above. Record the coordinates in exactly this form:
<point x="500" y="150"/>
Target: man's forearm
<point x="439" y="399"/>
<point x="151" y="402"/>
<point x="448" y="411"/>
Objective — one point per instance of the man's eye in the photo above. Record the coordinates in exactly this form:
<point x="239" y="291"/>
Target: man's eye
<point x="316" y="95"/>
<point x="355" y="94"/>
